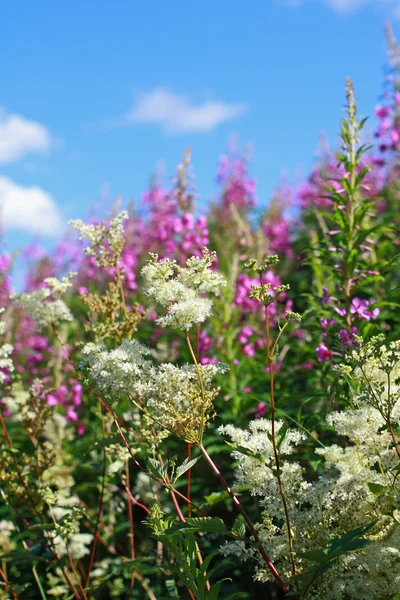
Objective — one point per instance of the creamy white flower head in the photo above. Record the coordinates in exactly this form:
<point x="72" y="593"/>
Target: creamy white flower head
<point x="7" y="529"/>
<point x="5" y="353"/>
<point x="105" y="240"/>
<point x="78" y="545"/>
<point x="377" y="376"/>
<point x="5" y="361"/>
<point x="176" y="398"/>
<point x="59" y="287"/>
<point x="158" y="281"/>
<point x="42" y="309"/>
<point x="181" y="289"/>
<point x="198" y="274"/>
<point x="116" y="372"/>
<point x="340" y="500"/>
<point x="185" y="314"/>
<point x="257" y="438"/>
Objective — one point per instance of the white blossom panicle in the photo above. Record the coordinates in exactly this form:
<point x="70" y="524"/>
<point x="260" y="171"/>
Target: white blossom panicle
<point x="115" y="373"/>
<point x="78" y="545"/>
<point x="106" y="240"/>
<point x="7" y="529"/>
<point x="59" y="287"/>
<point x="198" y="274"/>
<point x="174" y="396"/>
<point x="181" y="289"/>
<point x="40" y="307"/>
<point x="158" y="281"/>
<point x="341" y="499"/>
<point x="178" y="400"/>
<point x="6" y="363"/>
<point x="183" y="315"/>
<point x="6" y="350"/>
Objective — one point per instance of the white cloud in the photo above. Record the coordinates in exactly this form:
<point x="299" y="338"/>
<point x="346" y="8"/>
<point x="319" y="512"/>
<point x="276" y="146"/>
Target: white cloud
<point x="344" y="6"/>
<point x="20" y="136"/>
<point x="28" y="209"/>
<point x="179" y="114"/>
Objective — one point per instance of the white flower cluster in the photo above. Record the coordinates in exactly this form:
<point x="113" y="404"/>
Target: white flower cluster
<point x="7" y="529"/>
<point x="78" y="545"/>
<point x="181" y="289"/>
<point x="44" y="310"/>
<point x="341" y="499"/>
<point x="377" y="375"/>
<point x="117" y="372"/>
<point x="59" y="287"/>
<point x="6" y="363"/>
<point x="174" y="395"/>
<point x="105" y="240"/>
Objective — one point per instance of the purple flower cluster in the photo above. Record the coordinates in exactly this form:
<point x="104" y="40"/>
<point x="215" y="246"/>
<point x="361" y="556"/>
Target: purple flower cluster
<point x="360" y="309"/>
<point x="70" y="397"/>
<point x="238" y="189"/>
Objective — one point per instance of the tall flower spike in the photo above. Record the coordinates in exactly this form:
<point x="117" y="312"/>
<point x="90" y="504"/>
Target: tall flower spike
<point x="182" y="289"/>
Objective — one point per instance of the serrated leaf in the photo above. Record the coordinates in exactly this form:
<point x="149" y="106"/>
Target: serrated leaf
<point x="198" y="524"/>
<point x="185" y="466"/>
<point x="157" y="468"/>
<point x="239" y="527"/>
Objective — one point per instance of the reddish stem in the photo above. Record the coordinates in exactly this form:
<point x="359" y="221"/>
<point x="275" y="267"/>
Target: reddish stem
<point x="240" y="508"/>
<point x="131" y="527"/>
<point x="8" y="586"/>
<point x="99" y="513"/>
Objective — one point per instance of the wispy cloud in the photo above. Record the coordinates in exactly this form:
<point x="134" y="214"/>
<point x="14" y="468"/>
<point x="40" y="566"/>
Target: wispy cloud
<point x="176" y="113"/>
<point x="20" y="136"/>
<point x="344" y="6"/>
<point x="28" y="209"/>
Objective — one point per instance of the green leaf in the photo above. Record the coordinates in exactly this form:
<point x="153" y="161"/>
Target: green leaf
<point x="317" y="556"/>
<point x="216" y="497"/>
<point x="158" y="469"/>
<point x="377" y="489"/>
<point x="350" y="541"/>
<point x="185" y="466"/>
<point x="239" y="527"/>
<point x="198" y="524"/>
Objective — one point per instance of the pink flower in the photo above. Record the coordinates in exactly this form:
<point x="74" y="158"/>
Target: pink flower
<point x="327" y="323"/>
<point x="359" y="307"/>
<point x="347" y="336"/>
<point x="71" y="415"/>
<point x="80" y="429"/>
<point x="323" y="353"/>
<point x="244" y="334"/>
<point x="52" y="400"/>
<point x="248" y="350"/>
<point x="261" y="410"/>
<point x="305" y="365"/>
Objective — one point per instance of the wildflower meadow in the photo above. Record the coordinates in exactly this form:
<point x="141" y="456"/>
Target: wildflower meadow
<point x="203" y="402"/>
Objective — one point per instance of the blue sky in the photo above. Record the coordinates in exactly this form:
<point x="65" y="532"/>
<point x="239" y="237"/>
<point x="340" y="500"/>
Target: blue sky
<point x="96" y="94"/>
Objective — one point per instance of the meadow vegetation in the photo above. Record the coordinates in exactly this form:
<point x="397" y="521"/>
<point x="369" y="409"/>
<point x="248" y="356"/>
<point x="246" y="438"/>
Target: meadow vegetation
<point x="206" y="405"/>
